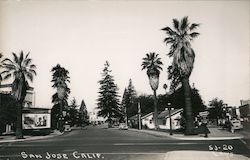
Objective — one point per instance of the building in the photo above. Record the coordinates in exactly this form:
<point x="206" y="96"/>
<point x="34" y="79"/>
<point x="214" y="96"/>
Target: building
<point x="147" y="121"/>
<point x="95" y="119"/>
<point x="245" y="114"/>
<point x="231" y="112"/>
<point x="164" y="119"/>
<point x="29" y="101"/>
<point x="245" y="109"/>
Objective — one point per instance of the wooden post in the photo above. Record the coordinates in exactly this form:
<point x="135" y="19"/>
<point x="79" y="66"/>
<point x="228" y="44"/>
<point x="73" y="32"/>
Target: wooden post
<point x="139" y="115"/>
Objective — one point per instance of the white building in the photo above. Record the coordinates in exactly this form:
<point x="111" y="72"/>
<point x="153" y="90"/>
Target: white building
<point x="147" y="121"/>
<point x="94" y="118"/>
<point x="163" y="119"/>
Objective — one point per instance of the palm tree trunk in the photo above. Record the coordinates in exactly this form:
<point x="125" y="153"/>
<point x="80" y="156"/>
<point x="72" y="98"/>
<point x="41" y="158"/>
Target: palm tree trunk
<point x="188" y="107"/>
<point x="19" y="131"/>
<point x="155" y="111"/>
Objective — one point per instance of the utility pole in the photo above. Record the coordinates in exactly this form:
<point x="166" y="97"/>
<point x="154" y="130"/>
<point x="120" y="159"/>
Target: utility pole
<point x="139" y="115"/>
<point x="170" y="119"/>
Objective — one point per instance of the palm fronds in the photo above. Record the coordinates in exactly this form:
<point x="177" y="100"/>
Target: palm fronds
<point x="179" y="39"/>
<point x="151" y="62"/>
<point x="20" y="65"/>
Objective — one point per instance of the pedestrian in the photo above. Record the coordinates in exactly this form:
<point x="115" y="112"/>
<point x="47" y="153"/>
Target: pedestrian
<point x="205" y="129"/>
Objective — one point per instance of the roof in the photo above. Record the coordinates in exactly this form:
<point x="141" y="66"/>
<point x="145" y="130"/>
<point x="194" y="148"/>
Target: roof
<point x="133" y="117"/>
<point x="165" y="114"/>
<point x="149" y="114"/>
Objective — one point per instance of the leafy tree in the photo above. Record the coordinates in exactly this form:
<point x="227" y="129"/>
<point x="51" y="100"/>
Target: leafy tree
<point x="72" y="113"/>
<point x="128" y="98"/>
<point x="178" y="101"/>
<point x="153" y="65"/>
<point x="197" y="102"/>
<point x="146" y="103"/>
<point x="216" y="109"/>
<point x="8" y="110"/>
<point x="108" y="102"/>
<point x="22" y="70"/>
<point x="183" y="55"/>
<point x="60" y="80"/>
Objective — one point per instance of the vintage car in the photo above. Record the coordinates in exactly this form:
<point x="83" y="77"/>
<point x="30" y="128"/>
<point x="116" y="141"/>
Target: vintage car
<point x="235" y="125"/>
<point x="123" y="126"/>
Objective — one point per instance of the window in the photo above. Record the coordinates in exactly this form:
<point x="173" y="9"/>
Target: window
<point x="164" y="121"/>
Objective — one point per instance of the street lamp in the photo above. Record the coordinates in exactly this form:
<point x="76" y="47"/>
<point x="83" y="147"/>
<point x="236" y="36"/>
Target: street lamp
<point x="165" y="86"/>
<point x="170" y="120"/>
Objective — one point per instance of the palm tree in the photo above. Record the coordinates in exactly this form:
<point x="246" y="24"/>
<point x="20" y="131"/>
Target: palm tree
<point x="153" y="65"/>
<point x="21" y="69"/>
<point x="179" y="38"/>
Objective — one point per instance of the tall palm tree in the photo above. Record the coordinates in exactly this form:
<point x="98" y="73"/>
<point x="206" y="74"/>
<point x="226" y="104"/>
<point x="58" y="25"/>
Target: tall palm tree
<point x="179" y="38"/>
<point x="153" y="65"/>
<point x="22" y="70"/>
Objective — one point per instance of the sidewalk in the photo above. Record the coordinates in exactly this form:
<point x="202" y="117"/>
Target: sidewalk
<point x="215" y="134"/>
<point x="12" y="138"/>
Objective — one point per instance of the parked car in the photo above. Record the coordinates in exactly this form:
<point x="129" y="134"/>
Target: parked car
<point x="235" y="125"/>
<point x="67" y="128"/>
<point x="123" y="126"/>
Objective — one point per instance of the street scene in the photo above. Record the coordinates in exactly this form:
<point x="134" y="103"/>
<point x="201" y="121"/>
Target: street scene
<point x="164" y="80"/>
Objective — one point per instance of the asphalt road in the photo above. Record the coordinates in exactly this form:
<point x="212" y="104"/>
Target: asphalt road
<point x="97" y="142"/>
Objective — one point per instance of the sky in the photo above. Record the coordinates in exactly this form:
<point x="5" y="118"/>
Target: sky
<point x="82" y="35"/>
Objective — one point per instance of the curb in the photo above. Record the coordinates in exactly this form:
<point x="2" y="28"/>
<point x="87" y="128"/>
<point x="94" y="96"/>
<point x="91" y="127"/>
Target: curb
<point x="163" y="134"/>
<point x="30" y="138"/>
<point x="208" y="138"/>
